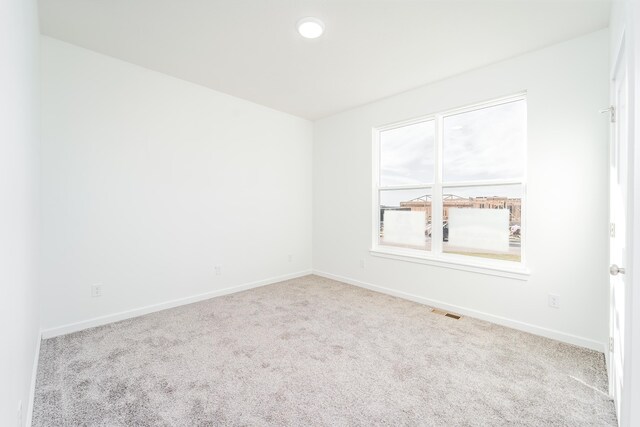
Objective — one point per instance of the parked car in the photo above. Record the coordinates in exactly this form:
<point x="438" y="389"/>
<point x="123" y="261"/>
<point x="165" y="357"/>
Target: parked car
<point x="445" y="231"/>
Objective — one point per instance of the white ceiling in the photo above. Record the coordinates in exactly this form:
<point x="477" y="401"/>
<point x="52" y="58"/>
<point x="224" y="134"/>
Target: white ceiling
<point x="371" y="48"/>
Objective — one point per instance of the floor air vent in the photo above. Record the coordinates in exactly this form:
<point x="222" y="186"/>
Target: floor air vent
<point x="445" y="313"/>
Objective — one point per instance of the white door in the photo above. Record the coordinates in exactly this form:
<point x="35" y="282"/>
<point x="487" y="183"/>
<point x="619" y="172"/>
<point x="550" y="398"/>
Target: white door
<point x="618" y="217"/>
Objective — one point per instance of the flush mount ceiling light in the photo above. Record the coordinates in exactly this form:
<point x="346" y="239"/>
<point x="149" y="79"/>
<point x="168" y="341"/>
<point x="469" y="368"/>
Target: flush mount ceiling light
<point x="310" y="28"/>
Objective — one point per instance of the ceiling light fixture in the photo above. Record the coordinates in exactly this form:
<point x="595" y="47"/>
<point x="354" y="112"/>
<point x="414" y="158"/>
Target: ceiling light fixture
<point x="310" y="28"/>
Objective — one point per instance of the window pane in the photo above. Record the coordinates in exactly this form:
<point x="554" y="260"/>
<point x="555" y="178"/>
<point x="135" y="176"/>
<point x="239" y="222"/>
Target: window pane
<point x="483" y="221"/>
<point x="488" y="143"/>
<point x="406" y="154"/>
<point x="405" y="218"/>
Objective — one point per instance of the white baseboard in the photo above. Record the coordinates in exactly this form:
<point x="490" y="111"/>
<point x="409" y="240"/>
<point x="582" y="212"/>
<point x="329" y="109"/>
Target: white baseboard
<point x="515" y="324"/>
<point x="115" y="317"/>
<point x="32" y="387"/>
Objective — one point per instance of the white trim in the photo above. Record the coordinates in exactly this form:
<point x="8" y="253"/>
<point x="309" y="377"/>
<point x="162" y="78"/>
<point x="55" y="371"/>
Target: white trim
<point x="375" y="195"/>
<point x="492" y="102"/>
<point x="633" y="19"/>
<point x="437" y="211"/>
<point x="482" y="183"/>
<point x="626" y="51"/>
<point x="618" y="55"/>
<point x="629" y="45"/>
<point x="405" y="187"/>
<point x="458" y="262"/>
<point x="115" y="317"/>
<point x="614" y="147"/>
<point x="32" y="387"/>
<point x="486" y="104"/>
<point x="408" y="122"/>
<point x="515" y="324"/>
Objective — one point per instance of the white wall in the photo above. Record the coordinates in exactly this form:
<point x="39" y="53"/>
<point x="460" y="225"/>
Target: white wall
<point x="149" y="182"/>
<point x="19" y="320"/>
<point x="567" y="194"/>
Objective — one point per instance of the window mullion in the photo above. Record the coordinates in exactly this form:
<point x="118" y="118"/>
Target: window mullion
<point x="436" y="198"/>
<point x="483" y="183"/>
<point x="405" y="187"/>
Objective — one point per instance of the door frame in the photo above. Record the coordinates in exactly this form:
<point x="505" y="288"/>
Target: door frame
<point x="630" y="41"/>
<point x="631" y="415"/>
<point x="619" y="67"/>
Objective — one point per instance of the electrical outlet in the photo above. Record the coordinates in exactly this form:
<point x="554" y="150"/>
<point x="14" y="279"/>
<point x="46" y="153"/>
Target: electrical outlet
<point x="290" y="258"/>
<point x="361" y="263"/>
<point x="96" y="290"/>
<point x="19" y="416"/>
<point x="218" y="270"/>
<point x="554" y="301"/>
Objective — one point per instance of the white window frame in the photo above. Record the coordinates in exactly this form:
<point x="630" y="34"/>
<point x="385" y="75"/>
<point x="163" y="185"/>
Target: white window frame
<point x="436" y="256"/>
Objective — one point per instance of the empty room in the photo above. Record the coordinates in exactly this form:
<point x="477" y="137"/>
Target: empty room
<point x="319" y="212"/>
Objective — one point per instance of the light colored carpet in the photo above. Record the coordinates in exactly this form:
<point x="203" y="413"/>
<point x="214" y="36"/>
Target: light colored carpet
<point x="313" y="351"/>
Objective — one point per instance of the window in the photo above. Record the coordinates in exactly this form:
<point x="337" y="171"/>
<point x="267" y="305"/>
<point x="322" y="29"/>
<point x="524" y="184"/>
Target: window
<point x="451" y="187"/>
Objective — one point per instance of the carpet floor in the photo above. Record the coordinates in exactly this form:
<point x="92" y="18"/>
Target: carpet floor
<point x="313" y="351"/>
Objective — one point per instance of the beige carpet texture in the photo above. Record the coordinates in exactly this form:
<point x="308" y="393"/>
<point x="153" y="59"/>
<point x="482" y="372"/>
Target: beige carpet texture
<point x="315" y="352"/>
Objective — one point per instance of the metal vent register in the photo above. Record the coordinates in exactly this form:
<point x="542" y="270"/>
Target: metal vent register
<point x="445" y="313"/>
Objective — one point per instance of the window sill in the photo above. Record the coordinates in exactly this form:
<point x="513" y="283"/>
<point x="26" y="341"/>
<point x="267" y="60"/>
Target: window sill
<point x="490" y="268"/>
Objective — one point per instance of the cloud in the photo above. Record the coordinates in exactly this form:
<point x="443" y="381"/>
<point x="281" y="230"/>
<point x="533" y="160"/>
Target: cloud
<point x="485" y="144"/>
<point x="407" y="154"/>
